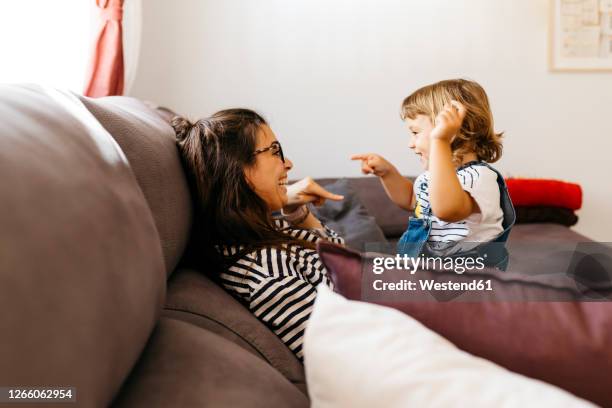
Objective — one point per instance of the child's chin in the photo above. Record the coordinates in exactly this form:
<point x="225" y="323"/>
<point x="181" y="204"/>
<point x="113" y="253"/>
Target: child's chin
<point x="424" y="163"/>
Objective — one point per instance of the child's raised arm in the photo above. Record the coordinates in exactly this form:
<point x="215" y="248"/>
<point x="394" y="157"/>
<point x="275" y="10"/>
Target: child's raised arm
<point x="449" y="201"/>
<point x="397" y="187"/>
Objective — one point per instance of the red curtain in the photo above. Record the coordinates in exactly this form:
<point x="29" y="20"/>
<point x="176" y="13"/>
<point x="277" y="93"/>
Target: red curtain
<point x="105" y="74"/>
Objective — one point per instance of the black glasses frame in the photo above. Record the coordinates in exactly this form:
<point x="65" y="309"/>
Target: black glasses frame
<point x="276" y="149"/>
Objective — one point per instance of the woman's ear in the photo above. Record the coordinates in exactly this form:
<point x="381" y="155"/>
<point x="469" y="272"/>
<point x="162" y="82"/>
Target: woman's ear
<point x="248" y="177"/>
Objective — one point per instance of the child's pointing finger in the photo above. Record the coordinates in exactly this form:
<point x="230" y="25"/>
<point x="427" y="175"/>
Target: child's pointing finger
<point x="360" y="157"/>
<point x="365" y="158"/>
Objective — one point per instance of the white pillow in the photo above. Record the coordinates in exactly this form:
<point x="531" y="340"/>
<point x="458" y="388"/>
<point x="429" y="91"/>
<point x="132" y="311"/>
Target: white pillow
<point x="363" y="355"/>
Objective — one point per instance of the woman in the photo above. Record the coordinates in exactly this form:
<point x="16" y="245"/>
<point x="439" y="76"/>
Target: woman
<point x="238" y="175"/>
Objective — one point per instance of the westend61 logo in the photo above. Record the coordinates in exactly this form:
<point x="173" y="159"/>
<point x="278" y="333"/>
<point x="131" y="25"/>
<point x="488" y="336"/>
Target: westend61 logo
<point x="457" y="264"/>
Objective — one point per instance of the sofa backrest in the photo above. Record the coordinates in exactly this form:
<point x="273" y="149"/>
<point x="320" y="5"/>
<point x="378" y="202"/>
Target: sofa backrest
<point x="82" y="273"/>
<point x="149" y="144"/>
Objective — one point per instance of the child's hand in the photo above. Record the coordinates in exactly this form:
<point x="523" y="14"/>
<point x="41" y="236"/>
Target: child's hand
<point x="448" y="121"/>
<point x="372" y="163"/>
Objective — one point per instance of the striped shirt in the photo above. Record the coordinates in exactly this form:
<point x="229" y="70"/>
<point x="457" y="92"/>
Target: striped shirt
<point x="481" y="183"/>
<point x="278" y="285"/>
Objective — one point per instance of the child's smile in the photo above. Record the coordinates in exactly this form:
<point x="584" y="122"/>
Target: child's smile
<point x="423" y="160"/>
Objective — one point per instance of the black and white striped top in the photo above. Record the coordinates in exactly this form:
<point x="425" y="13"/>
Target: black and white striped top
<point x="481" y="183"/>
<point x="278" y="285"/>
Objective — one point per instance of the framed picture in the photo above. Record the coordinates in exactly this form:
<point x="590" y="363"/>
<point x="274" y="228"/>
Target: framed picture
<point x="580" y="35"/>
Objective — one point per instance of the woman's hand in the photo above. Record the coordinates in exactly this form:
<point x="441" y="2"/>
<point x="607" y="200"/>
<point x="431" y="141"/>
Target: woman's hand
<point x="448" y="122"/>
<point x="372" y="163"/>
<point x="307" y="191"/>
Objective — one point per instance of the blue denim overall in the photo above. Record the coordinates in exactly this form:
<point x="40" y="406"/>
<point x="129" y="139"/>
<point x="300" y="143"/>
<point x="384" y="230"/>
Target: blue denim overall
<point x="412" y="242"/>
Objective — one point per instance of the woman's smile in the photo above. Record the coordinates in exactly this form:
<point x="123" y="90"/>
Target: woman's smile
<point x="283" y="184"/>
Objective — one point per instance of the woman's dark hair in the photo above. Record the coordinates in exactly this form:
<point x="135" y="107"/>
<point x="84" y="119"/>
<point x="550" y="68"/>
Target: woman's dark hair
<point x="227" y="212"/>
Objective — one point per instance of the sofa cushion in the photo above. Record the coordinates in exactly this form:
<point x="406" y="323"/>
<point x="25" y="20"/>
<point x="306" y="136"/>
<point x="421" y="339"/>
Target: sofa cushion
<point x="545" y="232"/>
<point x="391" y="219"/>
<point x="149" y="144"/>
<point x="194" y="298"/>
<point x="397" y="362"/>
<point x="82" y="276"/>
<point x="560" y="341"/>
<point x="349" y="217"/>
<point x="186" y="366"/>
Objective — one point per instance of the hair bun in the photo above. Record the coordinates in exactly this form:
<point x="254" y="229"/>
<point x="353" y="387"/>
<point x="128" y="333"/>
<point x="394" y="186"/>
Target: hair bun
<point x="181" y="127"/>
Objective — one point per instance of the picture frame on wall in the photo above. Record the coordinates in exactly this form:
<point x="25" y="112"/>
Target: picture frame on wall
<point x="580" y="35"/>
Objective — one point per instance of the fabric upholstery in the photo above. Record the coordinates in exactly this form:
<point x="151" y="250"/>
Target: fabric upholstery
<point x="564" y="343"/>
<point x="400" y="363"/>
<point x="82" y="277"/>
<point x="193" y="297"/>
<point x="185" y="366"/>
<point x="544" y="214"/>
<point x="391" y="219"/>
<point x="149" y="144"/>
<point x="349" y="217"/>
<point x="545" y="232"/>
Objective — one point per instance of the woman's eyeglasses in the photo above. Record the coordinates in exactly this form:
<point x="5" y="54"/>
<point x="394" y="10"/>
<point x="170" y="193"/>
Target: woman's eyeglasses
<point x="276" y="149"/>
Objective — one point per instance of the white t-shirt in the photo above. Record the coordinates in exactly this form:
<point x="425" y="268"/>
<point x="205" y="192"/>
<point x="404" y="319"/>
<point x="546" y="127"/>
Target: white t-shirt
<point x="481" y="183"/>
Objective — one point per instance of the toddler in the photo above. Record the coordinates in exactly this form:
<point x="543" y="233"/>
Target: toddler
<point x="460" y="201"/>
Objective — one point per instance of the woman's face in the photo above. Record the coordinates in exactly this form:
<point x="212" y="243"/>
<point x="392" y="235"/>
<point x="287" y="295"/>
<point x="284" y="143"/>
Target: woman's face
<point x="268" y="176"/>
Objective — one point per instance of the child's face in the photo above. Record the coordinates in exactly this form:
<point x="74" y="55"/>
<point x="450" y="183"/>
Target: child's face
<point x="419" y="129"/>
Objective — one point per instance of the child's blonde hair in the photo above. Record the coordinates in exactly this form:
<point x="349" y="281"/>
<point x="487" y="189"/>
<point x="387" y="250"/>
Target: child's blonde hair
<point x="476" y="133"/>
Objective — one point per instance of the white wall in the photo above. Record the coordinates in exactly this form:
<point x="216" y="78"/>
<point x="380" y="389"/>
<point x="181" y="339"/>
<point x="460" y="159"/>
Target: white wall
<point x="330" y="75"/>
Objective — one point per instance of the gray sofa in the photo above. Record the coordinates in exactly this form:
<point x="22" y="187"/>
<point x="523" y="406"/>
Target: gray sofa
<point x="95" y="218"/>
